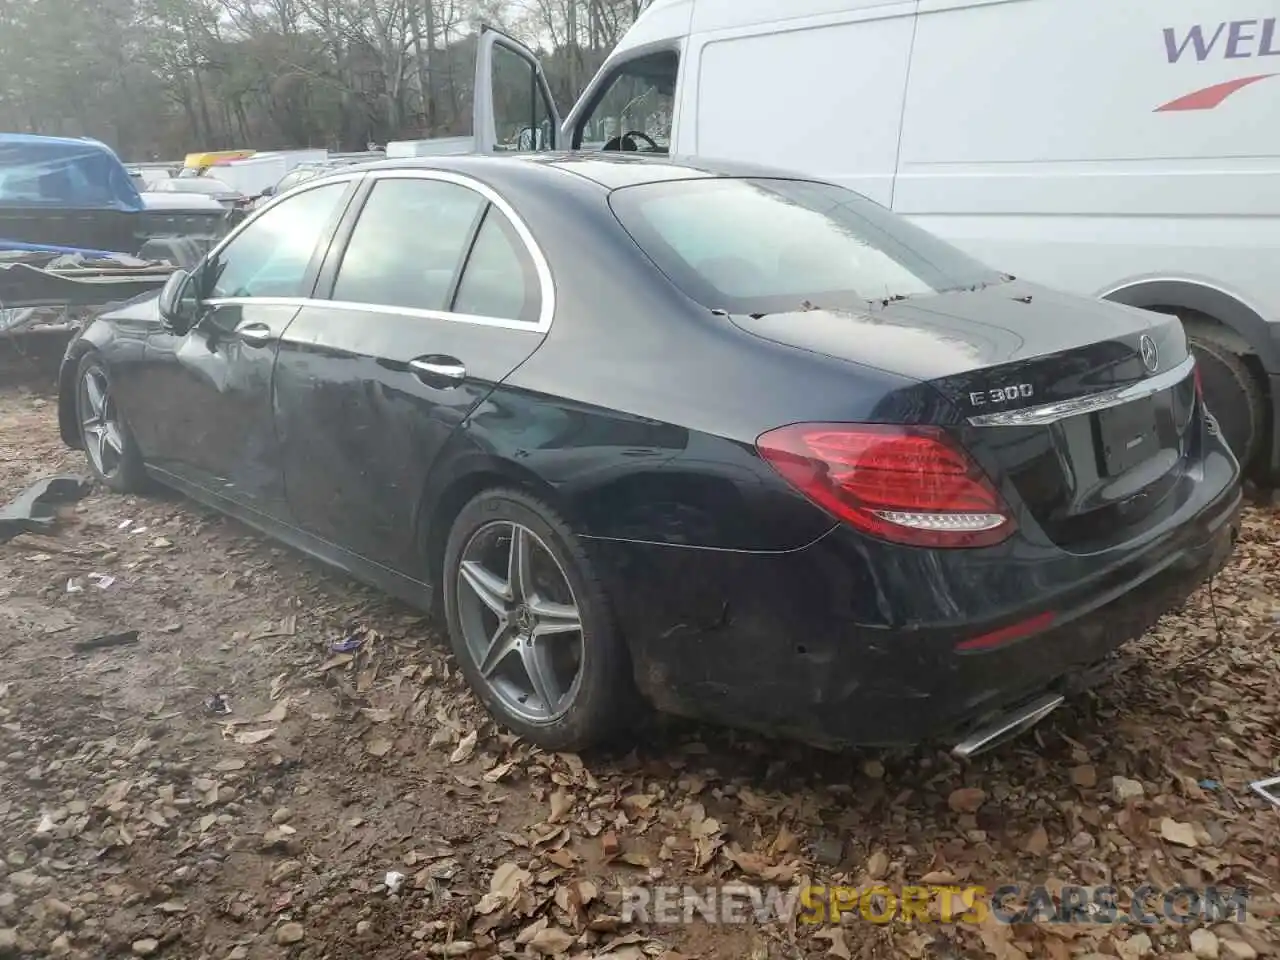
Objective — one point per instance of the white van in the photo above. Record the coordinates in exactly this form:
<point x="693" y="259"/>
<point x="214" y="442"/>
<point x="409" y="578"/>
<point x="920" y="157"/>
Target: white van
<point x="1126" y="150"/>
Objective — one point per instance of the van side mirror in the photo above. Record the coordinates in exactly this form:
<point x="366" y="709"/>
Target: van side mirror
<point x="178" y="303"/>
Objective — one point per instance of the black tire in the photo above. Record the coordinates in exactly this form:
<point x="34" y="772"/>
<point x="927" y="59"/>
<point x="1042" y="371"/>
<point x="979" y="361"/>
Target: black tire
<point x="605" y="700"/>
<point x="1233" y="396"/>
<point x="125" y="473"/>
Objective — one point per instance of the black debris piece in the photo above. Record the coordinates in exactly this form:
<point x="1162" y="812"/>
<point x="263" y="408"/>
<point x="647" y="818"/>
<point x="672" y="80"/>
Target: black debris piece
<point x="32" y="511"/>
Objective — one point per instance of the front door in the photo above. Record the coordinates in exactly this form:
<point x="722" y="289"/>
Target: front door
<point x="436" y="297"/>
<point x="210" y="388"/>
<point x="512" y="109"/>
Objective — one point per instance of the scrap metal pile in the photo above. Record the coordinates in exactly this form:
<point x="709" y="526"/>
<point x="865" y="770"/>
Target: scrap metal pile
<point x="51" y="287"/>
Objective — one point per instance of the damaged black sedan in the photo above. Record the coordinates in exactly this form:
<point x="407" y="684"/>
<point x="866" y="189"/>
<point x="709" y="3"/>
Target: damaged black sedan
<point x="747" y="445"/>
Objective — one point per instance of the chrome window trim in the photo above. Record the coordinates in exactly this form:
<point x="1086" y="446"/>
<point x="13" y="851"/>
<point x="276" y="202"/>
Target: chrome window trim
<point x="377" y="308"/>
<point x="1053" y="412"/>
<point x="546" y="284"/>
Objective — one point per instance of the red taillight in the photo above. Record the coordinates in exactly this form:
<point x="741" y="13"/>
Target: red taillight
<point x="911" y="485"/>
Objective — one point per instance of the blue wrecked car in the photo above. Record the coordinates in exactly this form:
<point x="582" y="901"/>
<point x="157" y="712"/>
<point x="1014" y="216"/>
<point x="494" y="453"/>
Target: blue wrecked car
<point x="75" y="195"/>
<point x="75" y="231"/>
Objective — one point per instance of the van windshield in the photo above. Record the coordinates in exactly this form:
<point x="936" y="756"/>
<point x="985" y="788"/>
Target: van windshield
<point x="769" y="245"/>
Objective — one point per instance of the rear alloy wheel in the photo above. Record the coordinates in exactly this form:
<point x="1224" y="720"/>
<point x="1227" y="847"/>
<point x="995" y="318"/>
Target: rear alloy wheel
<point x="530" y="625"/>
<point x="1232" y="395"/>
<point x="108" y="444"/>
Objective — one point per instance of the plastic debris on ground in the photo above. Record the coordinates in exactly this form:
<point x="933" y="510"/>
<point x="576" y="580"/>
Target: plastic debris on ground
<point x="108" y="640"/>
<point x="33" y="510"/>
<point x="350" y="644"/>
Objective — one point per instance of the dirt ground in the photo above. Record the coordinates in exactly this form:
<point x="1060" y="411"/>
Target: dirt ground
<point x="138" y="819"/>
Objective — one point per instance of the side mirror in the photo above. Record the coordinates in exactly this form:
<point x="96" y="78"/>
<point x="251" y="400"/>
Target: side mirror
<point x="178" y="313"/>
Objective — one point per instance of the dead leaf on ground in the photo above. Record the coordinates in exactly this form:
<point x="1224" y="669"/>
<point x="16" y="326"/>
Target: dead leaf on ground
<point x="333" y="663"/>
<point x="247" y="738"/>
<point x="967" y="799"/>
<point x="551" y="941"/>
<point x="466" y="747"/>
<point x="378" y="747"/>
<point x="498" y="772"/>
<point x="1182" y="834"/>
<point x="1038" y="842"/>
<point x="784" y="842"/>
<point x="561" y="804"/>
<point x="878" y="865"/>
<point x="609" y="845"/>
<point x="276" y="714"/>
<point x="756" y="865"/>
<point x="834" y="936"/>
<point x="508" y="879"/>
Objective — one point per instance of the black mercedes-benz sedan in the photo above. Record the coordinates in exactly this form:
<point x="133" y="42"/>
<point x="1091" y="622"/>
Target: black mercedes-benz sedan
<point x="745" y="444"/>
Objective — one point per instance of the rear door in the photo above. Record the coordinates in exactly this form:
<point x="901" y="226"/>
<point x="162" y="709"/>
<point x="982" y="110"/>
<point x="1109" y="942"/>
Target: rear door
<point x="513" y="110"/>
<point x="433" y="292"/>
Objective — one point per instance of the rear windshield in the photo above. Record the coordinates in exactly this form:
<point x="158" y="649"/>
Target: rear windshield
<point x="768" y="245"/>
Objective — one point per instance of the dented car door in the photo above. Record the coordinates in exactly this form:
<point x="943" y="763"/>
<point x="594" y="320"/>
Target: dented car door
<point x="212" y="385"/>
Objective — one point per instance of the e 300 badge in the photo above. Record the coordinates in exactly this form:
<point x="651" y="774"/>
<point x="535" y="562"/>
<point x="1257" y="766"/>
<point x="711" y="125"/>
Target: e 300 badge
<point x="1019" y="391"/>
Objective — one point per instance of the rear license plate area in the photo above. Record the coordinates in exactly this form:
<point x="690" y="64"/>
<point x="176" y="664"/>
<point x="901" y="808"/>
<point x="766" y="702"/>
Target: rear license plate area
<point x="1130" y="434"/>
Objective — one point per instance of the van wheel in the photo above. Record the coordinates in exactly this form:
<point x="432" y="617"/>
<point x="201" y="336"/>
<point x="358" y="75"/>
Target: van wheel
<point x="1233" y="396"/>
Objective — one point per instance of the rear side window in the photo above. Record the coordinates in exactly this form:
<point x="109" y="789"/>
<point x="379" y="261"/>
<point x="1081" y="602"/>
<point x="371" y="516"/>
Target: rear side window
<point x="499" y="281"/>
<point x="408" y="244"/>
<point x="767" y="245"/>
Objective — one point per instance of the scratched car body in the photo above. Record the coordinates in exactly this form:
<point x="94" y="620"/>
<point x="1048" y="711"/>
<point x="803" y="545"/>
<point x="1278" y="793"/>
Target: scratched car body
<point x="745" y="444"/>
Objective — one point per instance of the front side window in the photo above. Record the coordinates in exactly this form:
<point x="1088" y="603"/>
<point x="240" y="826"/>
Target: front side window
<point x="499" y="280"/>
<point x="766" y="245"/>
<point x="521" y="113"/>
<point x="636" y="108"/>
<point x="270" y="257"/>
<point x="408" y="244"/>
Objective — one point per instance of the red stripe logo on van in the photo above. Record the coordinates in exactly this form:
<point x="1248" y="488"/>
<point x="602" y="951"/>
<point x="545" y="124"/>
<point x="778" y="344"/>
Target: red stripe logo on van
<point x="1211" y="97"/>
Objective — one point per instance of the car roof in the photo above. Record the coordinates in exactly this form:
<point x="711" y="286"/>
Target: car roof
<point x="69" y="144"/>
<point x="610" y="171"/>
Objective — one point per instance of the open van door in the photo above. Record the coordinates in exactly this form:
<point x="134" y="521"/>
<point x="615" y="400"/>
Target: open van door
<point x="512" y="109"/>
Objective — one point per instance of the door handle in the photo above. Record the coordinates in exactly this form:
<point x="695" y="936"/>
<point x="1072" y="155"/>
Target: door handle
<point x="429" y="369"/>
<point x="255" y="334"/>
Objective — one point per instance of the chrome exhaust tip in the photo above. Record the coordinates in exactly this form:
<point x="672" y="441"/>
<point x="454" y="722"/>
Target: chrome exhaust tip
<point x="1007" y="726"/>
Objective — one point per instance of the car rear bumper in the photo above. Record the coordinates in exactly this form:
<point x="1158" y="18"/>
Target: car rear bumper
<point x="841" y="643"/>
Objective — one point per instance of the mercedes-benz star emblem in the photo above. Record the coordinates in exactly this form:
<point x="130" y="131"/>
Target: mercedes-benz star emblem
<point x="1150" y="355"/>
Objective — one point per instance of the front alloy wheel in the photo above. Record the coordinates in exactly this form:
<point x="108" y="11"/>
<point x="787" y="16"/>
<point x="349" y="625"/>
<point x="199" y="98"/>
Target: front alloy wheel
<point x="104" y="434"/>
<point x="99" y="424"/>
<point x="520" y="621"/>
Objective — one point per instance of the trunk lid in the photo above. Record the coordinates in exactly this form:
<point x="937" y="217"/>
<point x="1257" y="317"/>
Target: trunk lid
<point x="1083" y="411"/>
